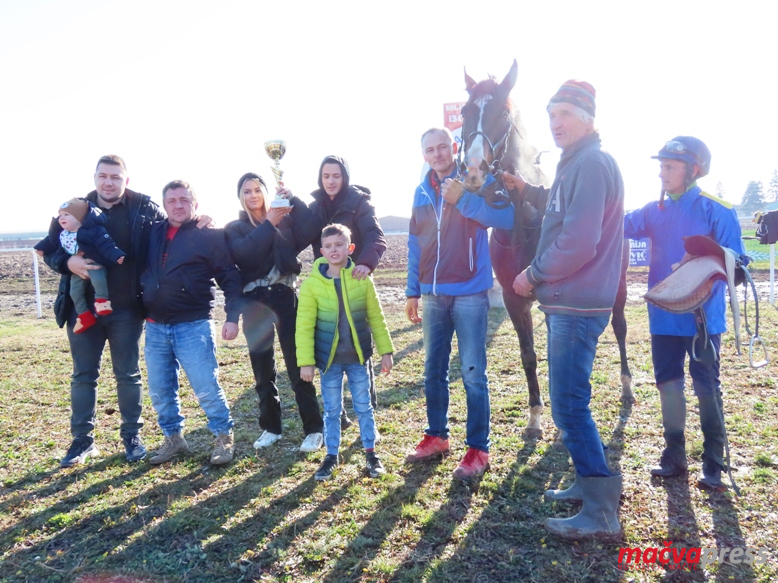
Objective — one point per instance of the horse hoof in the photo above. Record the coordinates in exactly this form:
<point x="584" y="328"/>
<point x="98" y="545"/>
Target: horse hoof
<point x="560" y="446"/>
<point x="533" y="433"/>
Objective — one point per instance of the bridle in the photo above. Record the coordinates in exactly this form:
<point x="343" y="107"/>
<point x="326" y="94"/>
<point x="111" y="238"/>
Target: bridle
<point x="501" y="144"/>
<point x="498" y="197"/>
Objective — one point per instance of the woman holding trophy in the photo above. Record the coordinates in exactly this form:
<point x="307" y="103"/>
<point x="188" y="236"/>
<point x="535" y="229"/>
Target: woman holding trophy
<point x="264" y="243"/>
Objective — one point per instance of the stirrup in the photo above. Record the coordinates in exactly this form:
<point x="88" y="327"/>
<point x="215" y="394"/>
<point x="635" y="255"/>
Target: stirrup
<point x="757" y="342"/>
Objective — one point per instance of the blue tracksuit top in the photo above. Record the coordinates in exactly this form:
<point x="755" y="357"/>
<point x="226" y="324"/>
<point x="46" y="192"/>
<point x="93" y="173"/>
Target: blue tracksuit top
<point x="448" y="247"/>
<point x="694" y="213"/>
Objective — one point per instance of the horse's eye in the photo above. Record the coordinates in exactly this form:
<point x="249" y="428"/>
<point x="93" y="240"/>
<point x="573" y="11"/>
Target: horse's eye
<point x="506" y="114"/>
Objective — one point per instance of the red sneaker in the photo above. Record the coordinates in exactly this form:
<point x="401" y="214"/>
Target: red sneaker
<point x="473" y="465"/>
<point x="84" y="322"/>
<point x="428" y="448"/>
<point x="103" y="307"/>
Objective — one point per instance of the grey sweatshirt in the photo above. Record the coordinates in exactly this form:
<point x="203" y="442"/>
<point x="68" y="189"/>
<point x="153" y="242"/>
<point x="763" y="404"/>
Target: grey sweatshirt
<point x="578" y="262"/>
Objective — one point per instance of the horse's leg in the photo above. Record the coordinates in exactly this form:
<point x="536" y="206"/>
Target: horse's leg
<point x="519" y="309"/>
<point x="619" y="324"/>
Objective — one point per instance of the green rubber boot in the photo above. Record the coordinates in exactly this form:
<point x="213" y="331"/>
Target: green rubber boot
<point x="598" y="518"/>
<point x="573" y="494"/>
<point x="712" y="426"/>
<point x="673" y="460"/>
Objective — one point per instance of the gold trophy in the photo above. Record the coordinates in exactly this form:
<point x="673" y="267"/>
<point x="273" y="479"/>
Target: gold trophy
<point x="276" y="150"/>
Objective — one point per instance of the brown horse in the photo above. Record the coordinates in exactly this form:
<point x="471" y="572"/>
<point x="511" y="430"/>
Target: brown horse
<point x="493" y="140"/>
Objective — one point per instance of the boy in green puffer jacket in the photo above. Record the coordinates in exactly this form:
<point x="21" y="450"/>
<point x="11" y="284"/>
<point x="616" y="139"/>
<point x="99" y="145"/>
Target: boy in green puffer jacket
<point x="335" y="317"/>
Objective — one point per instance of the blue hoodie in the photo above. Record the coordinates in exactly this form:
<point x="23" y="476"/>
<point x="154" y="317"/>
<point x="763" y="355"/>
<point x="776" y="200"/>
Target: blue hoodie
<point x="693" y="213"/>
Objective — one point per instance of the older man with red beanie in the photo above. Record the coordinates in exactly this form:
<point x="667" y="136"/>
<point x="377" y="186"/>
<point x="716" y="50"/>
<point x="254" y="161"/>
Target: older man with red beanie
<point x="575" y="275"/>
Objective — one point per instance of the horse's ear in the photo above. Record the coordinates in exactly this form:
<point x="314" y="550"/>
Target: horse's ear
<point x="469" y="82"/>
<point x="510" y="79"/>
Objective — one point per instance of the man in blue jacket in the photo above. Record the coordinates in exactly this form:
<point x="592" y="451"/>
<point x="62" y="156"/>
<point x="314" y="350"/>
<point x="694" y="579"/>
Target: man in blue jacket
<point x="450" y="269"/>
<point x="682" y="211"/>
<point x="575" y="276"/>
<point x="179" y="295"/>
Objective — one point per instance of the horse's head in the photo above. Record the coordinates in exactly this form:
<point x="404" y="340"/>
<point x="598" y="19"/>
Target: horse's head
<point x="486" y="125"/>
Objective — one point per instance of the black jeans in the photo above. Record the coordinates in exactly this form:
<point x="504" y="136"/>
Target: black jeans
<point x="266" y="310"/>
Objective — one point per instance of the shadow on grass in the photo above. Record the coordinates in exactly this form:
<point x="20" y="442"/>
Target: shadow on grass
<point x="616" y="443"/>
<point x="388" y="513"/>
<point x="727" y="533"/>
<point x="483" y="552"/>
<point x="65" y="540"/>
<point x="254" y="531"/>
<point x="527" y="552"/>
<point x="682" y="527"/>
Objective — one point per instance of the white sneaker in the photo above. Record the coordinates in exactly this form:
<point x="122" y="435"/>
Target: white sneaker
<point x="312" y="442"/>
<point x="266" y="439"/>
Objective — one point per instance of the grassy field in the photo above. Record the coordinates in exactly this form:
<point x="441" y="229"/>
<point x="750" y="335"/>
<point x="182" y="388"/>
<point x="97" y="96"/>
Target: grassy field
<point x="263" y="518"/>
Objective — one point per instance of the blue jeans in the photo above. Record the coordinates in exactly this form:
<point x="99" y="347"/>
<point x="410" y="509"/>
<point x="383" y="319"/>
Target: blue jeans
<point x="572" y="345"/>
<point x="122" y="330"/>
<point x="191" y="345"/>
<point x="332" y="393"/>
<point x="467" y="316"/>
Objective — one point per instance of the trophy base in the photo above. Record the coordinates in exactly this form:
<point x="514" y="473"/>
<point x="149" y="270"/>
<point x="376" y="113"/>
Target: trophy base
<point x="279" y="203"/>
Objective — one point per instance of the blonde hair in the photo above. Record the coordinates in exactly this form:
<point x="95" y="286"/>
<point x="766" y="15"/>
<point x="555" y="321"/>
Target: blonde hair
<point x="243" y="199"/>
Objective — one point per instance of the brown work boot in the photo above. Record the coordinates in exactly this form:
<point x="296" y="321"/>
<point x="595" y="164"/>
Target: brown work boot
<point x="223" y="449"/>
<point x="172" y="446"/>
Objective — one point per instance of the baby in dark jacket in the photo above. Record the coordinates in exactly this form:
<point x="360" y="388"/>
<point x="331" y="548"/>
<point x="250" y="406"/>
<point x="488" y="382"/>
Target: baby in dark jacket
<point x="83" y="233"/>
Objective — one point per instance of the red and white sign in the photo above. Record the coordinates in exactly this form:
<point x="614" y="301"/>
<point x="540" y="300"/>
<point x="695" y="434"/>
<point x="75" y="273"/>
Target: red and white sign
<point x="452" y="119"/>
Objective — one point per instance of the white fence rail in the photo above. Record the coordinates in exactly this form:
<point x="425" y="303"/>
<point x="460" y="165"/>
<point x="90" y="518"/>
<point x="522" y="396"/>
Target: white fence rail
<point x="36" y="273"/>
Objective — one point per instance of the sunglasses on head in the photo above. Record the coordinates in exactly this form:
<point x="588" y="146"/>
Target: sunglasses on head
<point x="675" y="147"/>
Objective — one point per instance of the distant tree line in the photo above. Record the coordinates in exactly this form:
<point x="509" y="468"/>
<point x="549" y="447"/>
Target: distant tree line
<point x="754" y="198"/>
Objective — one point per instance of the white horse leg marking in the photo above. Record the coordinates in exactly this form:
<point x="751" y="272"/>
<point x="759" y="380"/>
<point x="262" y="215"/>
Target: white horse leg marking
<point x="534" y="417"/>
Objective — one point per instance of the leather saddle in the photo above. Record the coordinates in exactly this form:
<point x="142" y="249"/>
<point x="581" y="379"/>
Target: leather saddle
<point x="690" y="284"/>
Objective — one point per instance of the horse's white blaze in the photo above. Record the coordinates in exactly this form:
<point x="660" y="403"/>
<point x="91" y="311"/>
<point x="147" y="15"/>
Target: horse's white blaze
<point x="534" y="417"/>
<point x="476" y="150"/>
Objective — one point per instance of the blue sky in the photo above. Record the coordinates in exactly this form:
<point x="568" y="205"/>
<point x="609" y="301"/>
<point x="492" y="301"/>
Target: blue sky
<point x="192" y="89"/>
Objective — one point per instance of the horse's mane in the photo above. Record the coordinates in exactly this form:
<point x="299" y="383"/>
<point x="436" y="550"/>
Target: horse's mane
<point x="487" y="87"/>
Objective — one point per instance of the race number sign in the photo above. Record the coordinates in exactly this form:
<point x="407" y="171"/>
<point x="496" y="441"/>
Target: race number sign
<point x="639" y="252"/>
<point x="452" y="119"/>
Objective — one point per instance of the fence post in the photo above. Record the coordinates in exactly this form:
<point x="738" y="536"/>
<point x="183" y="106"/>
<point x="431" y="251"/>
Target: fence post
<point x="772" y="274"/>
<point x="37" y="283"/>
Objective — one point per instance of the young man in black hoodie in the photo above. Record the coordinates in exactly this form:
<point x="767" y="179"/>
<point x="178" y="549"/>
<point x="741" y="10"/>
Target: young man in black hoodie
<point x="338" y="201"/>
